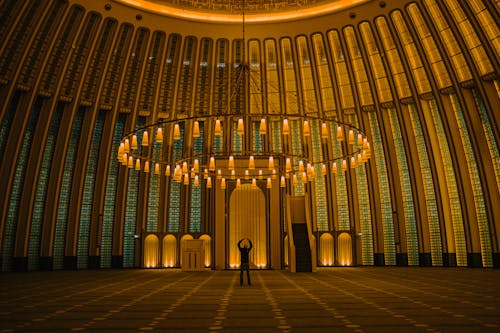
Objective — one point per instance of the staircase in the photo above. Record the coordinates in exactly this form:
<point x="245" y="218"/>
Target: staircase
<point x="302" y="249"/>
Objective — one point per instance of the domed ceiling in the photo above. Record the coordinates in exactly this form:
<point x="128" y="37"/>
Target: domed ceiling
<point x="230" y="10"/>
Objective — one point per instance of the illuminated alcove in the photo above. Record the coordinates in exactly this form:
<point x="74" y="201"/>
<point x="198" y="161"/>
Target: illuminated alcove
<point x="207" y="244"/>
<point x="247" y="219"/>
<point x="326" y="253"/>
<point x="169" y="251"/>
<point x="344" y="249"/>
<point x="151" y="251"/>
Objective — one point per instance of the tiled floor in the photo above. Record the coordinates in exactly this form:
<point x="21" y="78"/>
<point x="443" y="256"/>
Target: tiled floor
<point x="330" y="300"/>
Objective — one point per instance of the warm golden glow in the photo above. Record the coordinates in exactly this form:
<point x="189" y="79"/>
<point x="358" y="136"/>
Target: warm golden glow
<point x="247" y="218"/>
<point x="345" y="249"/>
<point x="169" y="251"/>
<point x="326" y="250"/>
<point x="214" y="17"/>
<point x="207" y="247"/>
<point x="151" y="251"/>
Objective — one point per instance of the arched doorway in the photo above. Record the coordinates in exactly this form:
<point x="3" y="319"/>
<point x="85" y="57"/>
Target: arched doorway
<point x="247" y="218"/>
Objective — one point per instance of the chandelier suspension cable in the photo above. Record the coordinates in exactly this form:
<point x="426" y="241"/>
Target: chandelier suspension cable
<point x="247" y="144"/>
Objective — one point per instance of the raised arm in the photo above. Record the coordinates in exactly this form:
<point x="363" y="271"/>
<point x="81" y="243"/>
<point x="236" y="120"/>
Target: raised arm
<point x="251" y="245"/>
<point x="239" y="243"/>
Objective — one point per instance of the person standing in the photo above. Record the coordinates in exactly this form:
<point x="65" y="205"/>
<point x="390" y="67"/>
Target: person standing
<point x="245" y="263"/>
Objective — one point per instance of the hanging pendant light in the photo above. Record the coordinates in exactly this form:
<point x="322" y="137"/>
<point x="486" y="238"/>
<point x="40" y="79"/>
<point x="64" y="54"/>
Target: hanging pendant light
<point x="324" y="131"/>
<point x="196" y="165"/>
<point x="121" y="151"/>
<point x="301" y="166"/>
<point x="146" y="167"/>
<point x="157" y="168"/>
<point x="138" y="165"/>
<point x="269" y="183"/>
<point x="351" y="137"/>
<point x="230" y="163"/>
<point x="218" y="128"/>
<point x="240" y="129"/>
<point x="145" y="139"/>
<point x="126" y="146"/>
<point x="177" y="132"/>
<point x="254" y="183"/>
<point x="251" y="163"/>
<point x="124" y="159"/>
<point x="186" y="179"/>
<point x="209" y="182"/>
<point x="211" y="165"/>
<point x="340" y="135"/>
<point x="307" y="129"/>
<point x="263" y="127"/>
<point x="223" y="184"/>
<point x="271" y="163"/>
<point x="247" y="174"/>
<point x="286" y="128"/>
<point x="238" y="183"/>
<point x="133" y="144"/>
<point x="282" y="182"/>
<point x="196" y="129"/>
<point x="178" y="173"/>
<point x="196" y="182"/>
<point x="159" y="135"/>
<point x="334" y="167"/>
<point x="167" y="171"/>
<point x="205" y="174"/>
<point x="130" y="162"/>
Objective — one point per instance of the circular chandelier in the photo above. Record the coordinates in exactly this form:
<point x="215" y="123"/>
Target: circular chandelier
<point x="245" y="147"/>
<point x="287" y="149"/>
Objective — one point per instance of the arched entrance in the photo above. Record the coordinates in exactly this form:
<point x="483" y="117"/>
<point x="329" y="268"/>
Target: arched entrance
<point x="247" y="218"/>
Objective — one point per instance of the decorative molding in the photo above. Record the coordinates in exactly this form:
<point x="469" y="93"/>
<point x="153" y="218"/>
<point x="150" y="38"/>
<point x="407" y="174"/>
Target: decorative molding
<point x="468" y="84"/>
<point x="427" y="96"/>
<point x="407" y="100"/>
<point x="447" y="90"/>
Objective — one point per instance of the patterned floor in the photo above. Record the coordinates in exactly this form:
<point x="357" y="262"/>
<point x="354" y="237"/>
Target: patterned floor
<point x="330" y="300"/>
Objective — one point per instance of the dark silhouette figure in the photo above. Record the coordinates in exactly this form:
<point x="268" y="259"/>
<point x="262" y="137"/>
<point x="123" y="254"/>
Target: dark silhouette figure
<point x="245" y="264"/>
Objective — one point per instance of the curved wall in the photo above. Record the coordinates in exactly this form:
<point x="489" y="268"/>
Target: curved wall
<point x="420" y="79"/>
